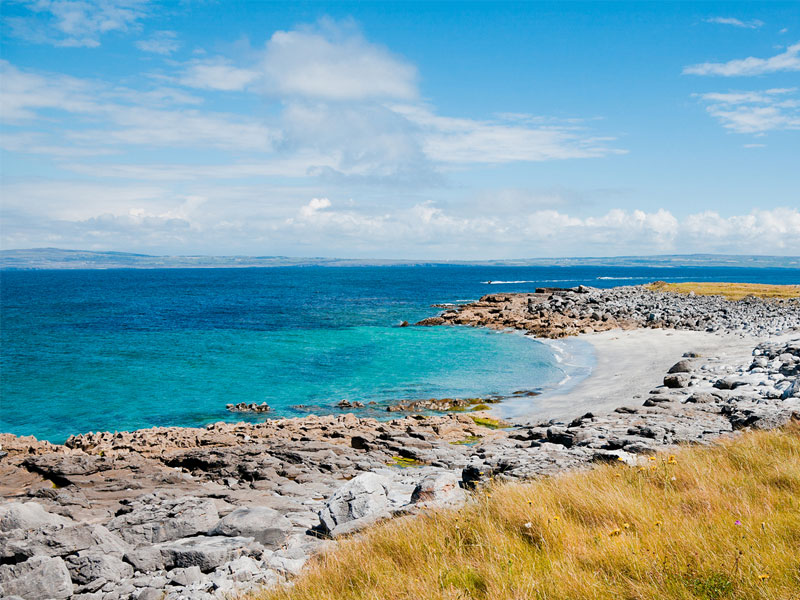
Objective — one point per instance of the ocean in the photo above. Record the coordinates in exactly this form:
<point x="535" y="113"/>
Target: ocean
<point x="125" y="349"/>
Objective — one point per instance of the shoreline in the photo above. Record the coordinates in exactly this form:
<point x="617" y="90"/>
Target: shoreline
<point x="627" y="364"/>
<point x="206" y="512"/>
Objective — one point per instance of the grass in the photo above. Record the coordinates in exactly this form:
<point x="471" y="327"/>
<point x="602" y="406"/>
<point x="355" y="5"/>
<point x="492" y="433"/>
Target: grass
<point x="488" y="422"/>
<point x="468" y="441"/>
<point x="707" y="523"/>
<point x="731" y="291"/>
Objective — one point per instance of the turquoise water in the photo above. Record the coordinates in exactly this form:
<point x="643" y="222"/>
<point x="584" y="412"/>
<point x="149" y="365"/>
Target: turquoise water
<point x="125" y="349"/>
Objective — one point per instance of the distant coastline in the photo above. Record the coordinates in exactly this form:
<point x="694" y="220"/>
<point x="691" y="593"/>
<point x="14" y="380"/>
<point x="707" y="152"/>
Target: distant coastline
<point x="57" y="258"/>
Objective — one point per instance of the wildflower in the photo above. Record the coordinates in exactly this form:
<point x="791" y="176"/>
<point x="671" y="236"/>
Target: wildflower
<point x="620" y="459"/>
<point x="626" y="525"/>
<point x="658" y="523"/>
<point x="642" y="470"/>
<point x="763" y="576"/>
<point x="614" y="532"/>
<point x="556" y="518"/>
<point x="652" y="467"/>
<point x="528" y="525"/>
<point x="651" y="458"/>
<point x="672" y="460"/>
<point x="737" y="522"/>
<point x="530" y="502"/>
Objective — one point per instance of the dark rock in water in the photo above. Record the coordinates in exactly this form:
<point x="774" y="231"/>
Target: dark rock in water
<point x="403" y="324"/>
<point x="249" y="407"/>
<point x="38" y="578"/>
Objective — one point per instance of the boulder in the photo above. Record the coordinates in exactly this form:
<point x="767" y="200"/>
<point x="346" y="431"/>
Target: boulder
<point x="154" y="518"/>
<point x="682" y="366"/>
<point x="28" y="515"/>
<point x="60" y="541"/>
<point x="676" y="380"/>
<point x="439" y="490"/>
<point x="266" y="525"/>
<point x="207" y="553"/>
<point x="90" y="565"/>
<point x="40" y="577"/>
<point x="362" y="500"/>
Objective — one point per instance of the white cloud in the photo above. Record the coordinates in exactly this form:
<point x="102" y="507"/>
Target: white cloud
<point x="756" y="111"/>
<point x="217" y="74"/>
<point x="335" y="63"/>
<point x="466" y="141"/>
<point x="752" y="24"/>
<point x="161" y="42"/>
<point x="25" y="96"/>
<point x="77" y="22"/>
<point x="785" y="61"/>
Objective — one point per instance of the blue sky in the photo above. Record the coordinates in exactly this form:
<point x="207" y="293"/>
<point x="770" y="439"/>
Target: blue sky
<point x="401" y="130"/>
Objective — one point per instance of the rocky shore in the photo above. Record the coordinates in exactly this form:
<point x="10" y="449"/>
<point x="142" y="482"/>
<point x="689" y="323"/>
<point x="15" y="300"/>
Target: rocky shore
<point x="204" y="512"/>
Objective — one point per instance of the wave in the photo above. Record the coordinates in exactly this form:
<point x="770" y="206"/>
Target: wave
<point x="612" y="278"/>
<point x="493" y="282"/>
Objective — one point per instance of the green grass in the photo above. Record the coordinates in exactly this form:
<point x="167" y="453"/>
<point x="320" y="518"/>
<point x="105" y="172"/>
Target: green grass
<point x="488" y="422"/>
<point x="707" y="523"/>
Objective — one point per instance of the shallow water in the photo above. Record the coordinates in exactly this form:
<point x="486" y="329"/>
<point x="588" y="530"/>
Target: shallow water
<point x="124" y="349"/>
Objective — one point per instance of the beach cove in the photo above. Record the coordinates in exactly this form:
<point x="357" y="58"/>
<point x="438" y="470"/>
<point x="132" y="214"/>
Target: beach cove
<point x="233" y="506"/>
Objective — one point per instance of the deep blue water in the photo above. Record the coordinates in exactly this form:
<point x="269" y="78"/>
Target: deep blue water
<point x="125" y="349"/>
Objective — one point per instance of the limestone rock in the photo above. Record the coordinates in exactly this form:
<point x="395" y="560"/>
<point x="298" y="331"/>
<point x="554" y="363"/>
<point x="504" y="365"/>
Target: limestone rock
<point x="439" y="490"/>
<point x="266" y="525"/>
<point x="360" y="501"/>
<point x="207" y="553"/>
<point x="154" y="519"/>
<point x="40" y="577"/>
<point x="28" y="515"/>
<point x="90" y="565"/>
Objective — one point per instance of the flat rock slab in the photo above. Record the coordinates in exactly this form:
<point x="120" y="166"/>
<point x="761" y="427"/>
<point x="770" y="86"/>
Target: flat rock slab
<point x="207" y="553"/>
<point x="266" y="525"/>
<point x="28" y="515"/>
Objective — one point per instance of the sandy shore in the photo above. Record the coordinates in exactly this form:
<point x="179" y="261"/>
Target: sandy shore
<point x="627" y="365"/>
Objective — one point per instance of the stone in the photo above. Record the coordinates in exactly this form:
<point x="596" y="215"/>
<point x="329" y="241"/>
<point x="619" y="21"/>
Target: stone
<point x="40" y="577"/>
<point x="362" y="500"/>
<point x="146" y="559"/>
<point x="439" y="490"/>
<point x="207" y="553"/>
<point x="153" y="519"/>
<point x="676" y="380"/>
<point x="88" y="565"/>
<point x="682" y="366"/>
<point x="60" y="541"/>
<point x="28" y="515"/>
<point x="186" y="576"/>
<point x="266" y="525"/>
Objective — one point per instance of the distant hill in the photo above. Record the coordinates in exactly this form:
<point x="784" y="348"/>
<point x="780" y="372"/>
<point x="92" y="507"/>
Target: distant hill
<point x="56" y="258"/>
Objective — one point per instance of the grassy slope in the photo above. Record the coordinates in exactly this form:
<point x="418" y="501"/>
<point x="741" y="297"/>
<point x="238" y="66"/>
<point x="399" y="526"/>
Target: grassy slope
<point x="731" y="291"/>
<point x="719" y="522"/>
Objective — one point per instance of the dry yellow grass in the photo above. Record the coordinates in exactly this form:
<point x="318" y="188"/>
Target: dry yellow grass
<point x="719" y="522"/>
<point x="731" y="291"/>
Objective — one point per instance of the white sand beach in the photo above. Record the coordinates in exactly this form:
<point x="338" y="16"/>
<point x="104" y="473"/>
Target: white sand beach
<point x="628" y="364"/>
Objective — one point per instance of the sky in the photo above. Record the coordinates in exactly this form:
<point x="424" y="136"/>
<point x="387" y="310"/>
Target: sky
<point x="412" y="130"/>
